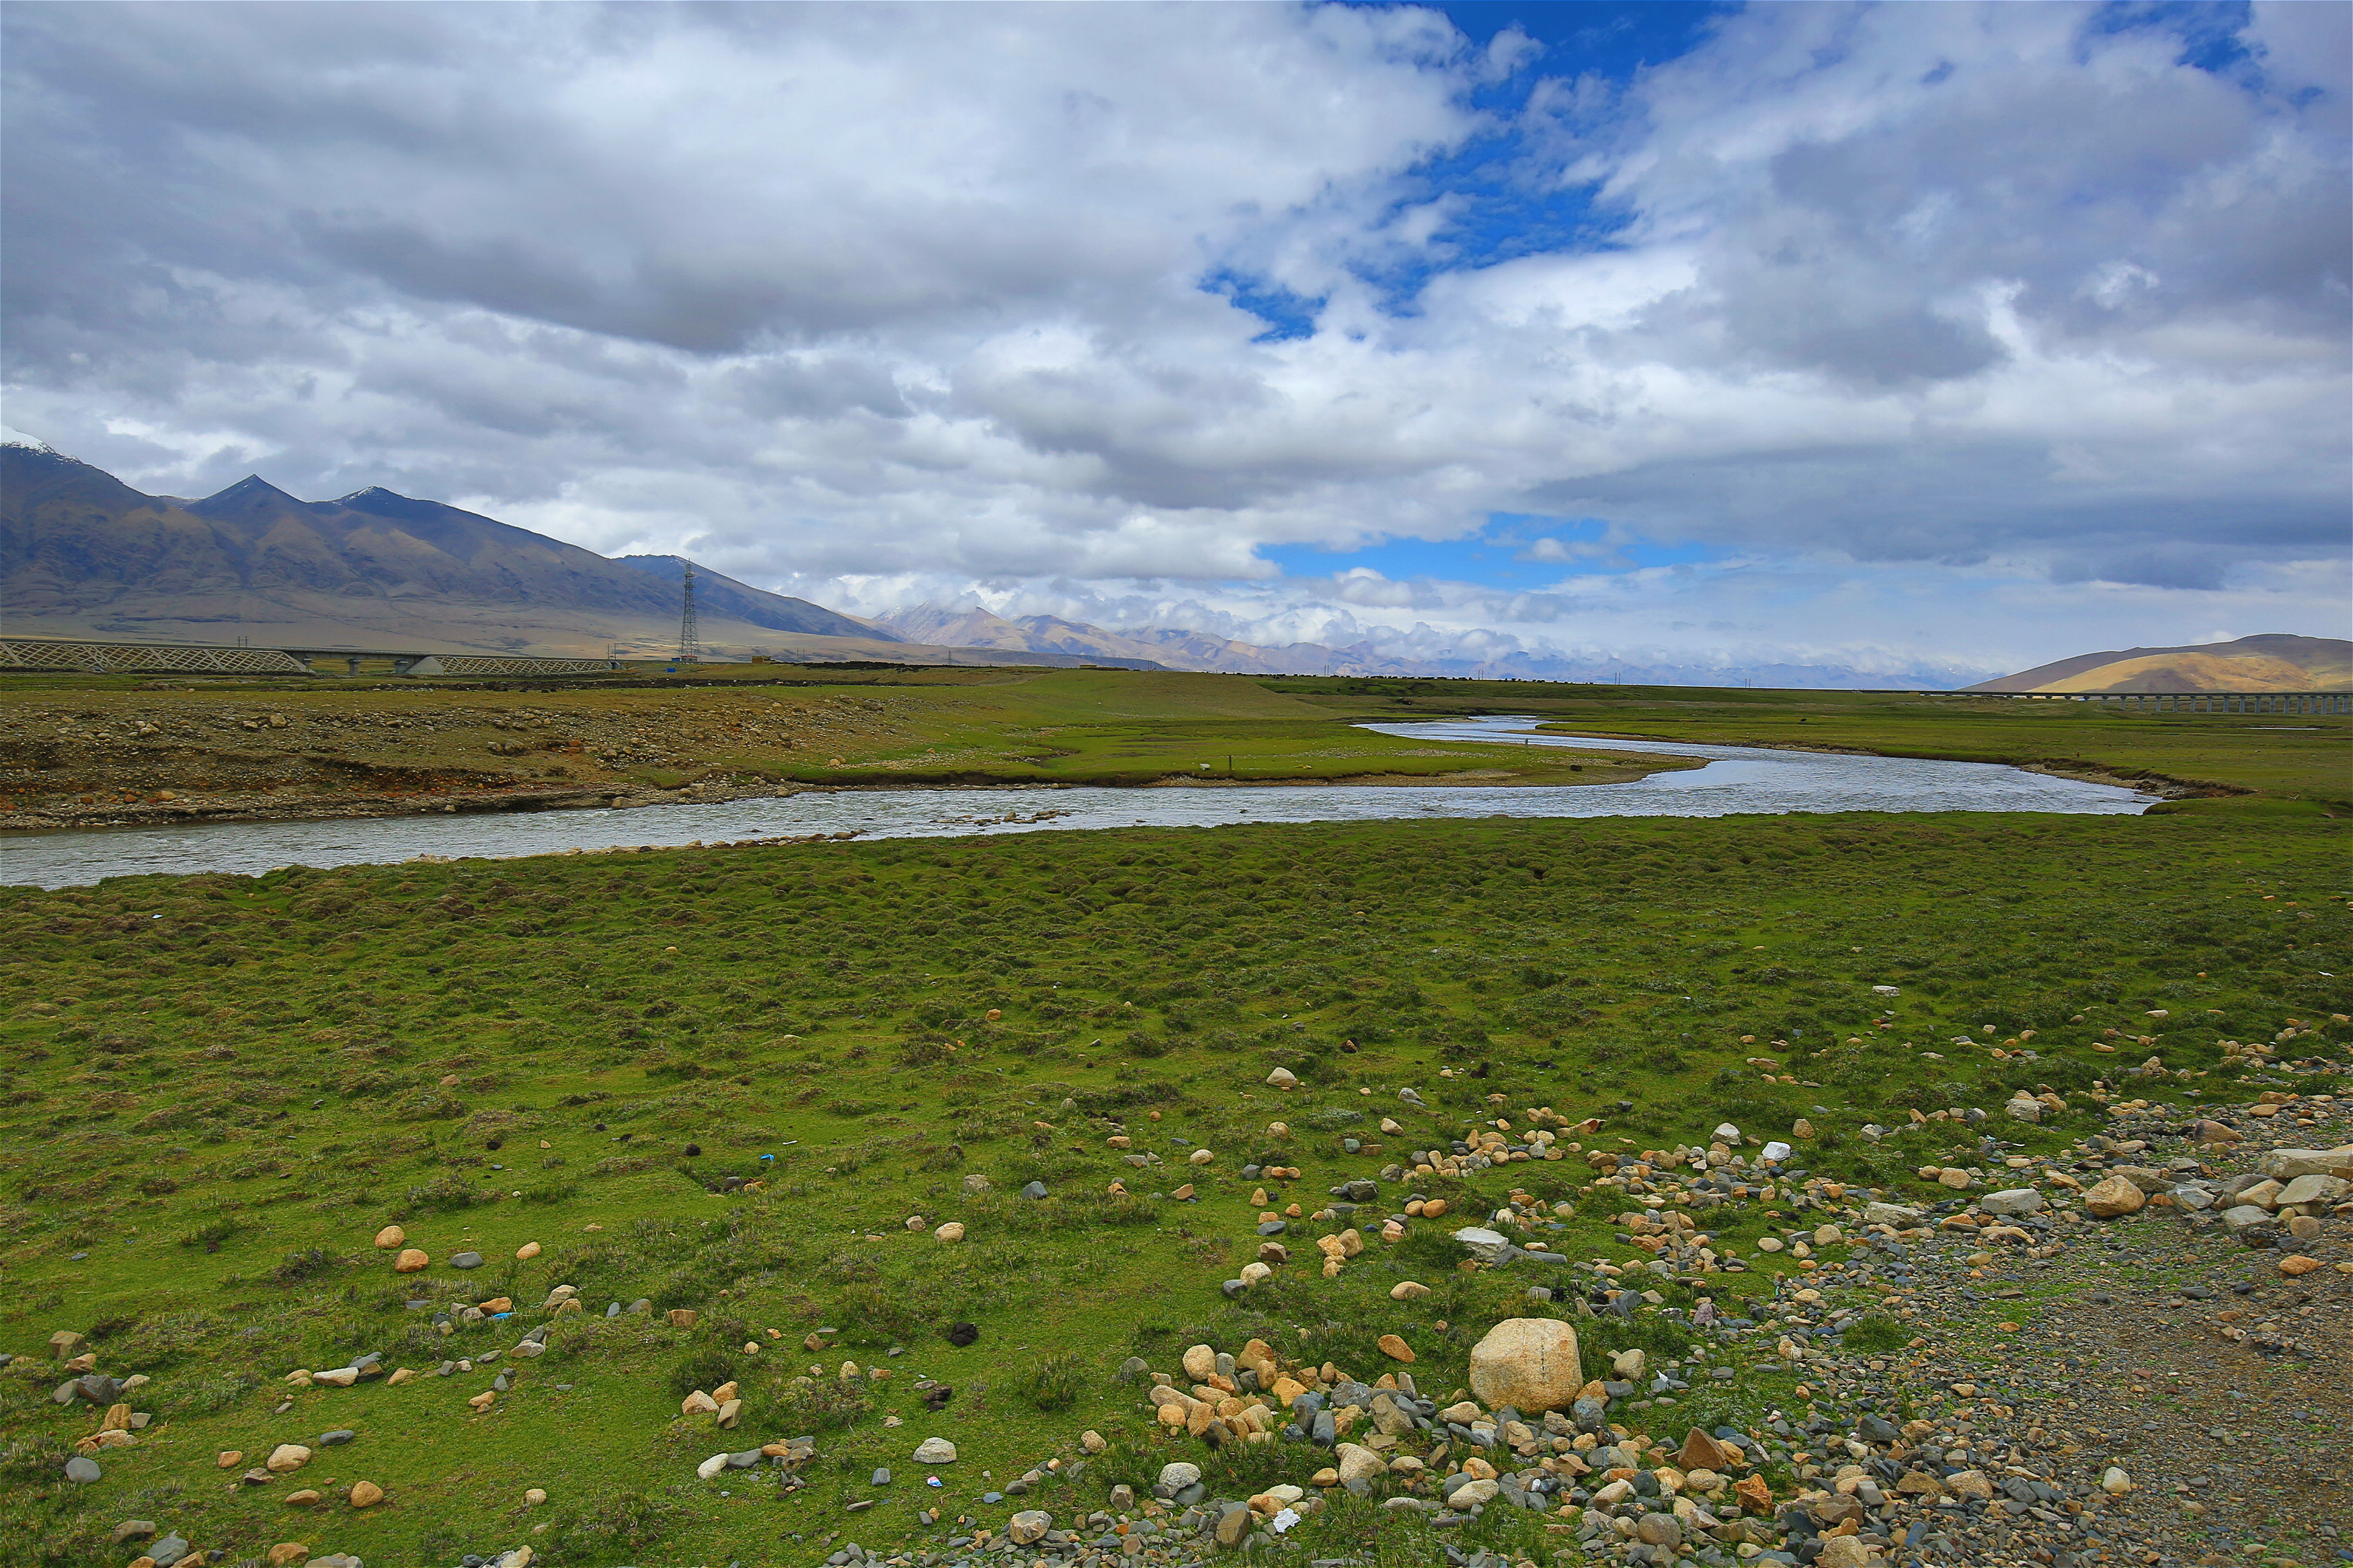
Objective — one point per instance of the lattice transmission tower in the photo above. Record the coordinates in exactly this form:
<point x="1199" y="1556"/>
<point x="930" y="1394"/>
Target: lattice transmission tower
<point x="690" y="645"/>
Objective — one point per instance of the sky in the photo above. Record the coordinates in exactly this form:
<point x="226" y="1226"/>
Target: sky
<point x="1909" y="340"/>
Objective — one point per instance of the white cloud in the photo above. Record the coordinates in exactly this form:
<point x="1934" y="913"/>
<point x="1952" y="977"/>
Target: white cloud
<point x="1938" y="321"/>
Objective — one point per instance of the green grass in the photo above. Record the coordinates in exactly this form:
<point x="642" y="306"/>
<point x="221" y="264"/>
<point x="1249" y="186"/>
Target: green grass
<point x="221" y="1105"/>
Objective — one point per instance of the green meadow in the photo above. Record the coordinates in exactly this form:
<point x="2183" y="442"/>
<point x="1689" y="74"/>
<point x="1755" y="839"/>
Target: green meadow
<point x="215" y="1091"/>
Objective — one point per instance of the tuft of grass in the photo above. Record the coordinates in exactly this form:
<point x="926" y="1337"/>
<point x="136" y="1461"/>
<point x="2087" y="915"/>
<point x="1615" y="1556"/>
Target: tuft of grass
<point x="1053" y="1384"/>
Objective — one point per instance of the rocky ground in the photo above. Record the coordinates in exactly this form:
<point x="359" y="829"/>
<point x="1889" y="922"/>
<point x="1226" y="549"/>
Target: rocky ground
<point x="2137" y="1355"/>
<point x="2157" y="1385"/>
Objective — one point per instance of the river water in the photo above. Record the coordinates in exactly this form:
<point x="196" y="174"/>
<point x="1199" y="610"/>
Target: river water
<point x="1737" y="780"/>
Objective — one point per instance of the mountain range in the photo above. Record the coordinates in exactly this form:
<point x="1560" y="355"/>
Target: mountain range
<point x="82" y="554"/>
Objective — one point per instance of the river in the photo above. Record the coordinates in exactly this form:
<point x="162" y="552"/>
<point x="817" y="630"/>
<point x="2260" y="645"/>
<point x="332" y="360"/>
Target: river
<point x="1737" y="780"/>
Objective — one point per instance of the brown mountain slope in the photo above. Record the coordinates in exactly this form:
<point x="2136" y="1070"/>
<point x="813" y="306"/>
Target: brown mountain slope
<point x="2270" y="662"/>
<point x="83" y="554"/>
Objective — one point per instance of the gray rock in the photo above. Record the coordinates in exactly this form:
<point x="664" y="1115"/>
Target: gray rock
<point x="1485" y="1246"/>
<point x="1359" y="1191"/>
<point x="467" y="1261"/>
<point x="329" y="1439"/>
<point x="1176" y="1475"/>
<point x="168" y="1551"/>
<point x="2014" y="1201"/>
<point x="82" y="1471"/>
<point x="936" y="1451"/>
<point x="612" y="1309"/>
<point x="641" y="1306"/>
<point x="2246" y="1217"/>
<point x="98" y="1388"/>
<point x="1274" y="1227"/>
<point x="881" y="1479"/>
<point x="976" y="1183"/>
<point x="745" y="1460"/>
<point x="1034" y="1190"/>
<point x="2314" y="1188"/>
<point x="2286" y="1164"/>
<point x="1590" y="1414"/>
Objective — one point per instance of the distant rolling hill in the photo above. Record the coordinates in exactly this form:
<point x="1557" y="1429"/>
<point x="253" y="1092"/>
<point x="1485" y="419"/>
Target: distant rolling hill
<point x="1148" y="646"/>
<point x="2273" y="662"/>
<point x="82" y="554"/>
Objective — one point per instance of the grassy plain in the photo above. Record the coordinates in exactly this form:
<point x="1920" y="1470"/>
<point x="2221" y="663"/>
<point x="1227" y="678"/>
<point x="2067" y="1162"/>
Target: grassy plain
<point x="214" y="1090"/>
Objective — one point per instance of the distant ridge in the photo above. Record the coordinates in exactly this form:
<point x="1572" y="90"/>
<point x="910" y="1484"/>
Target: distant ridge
<point x="2267" y="662"/>
<point x="83" y="554"/>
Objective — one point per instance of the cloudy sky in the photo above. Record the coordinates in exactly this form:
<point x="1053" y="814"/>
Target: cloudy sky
<point x="1906" y="337"/>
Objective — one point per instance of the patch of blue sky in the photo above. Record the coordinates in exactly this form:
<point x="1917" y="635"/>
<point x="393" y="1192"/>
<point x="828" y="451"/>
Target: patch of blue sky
<point x="1503" y="203"/>
<point x="1286" y="314"/>
<point x="1611" y="38"/>
<point x="1508" y="553"/>
<point x="2209" y="30"/>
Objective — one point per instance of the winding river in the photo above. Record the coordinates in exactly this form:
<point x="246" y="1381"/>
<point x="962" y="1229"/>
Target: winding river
<point x="1737" y="780"/>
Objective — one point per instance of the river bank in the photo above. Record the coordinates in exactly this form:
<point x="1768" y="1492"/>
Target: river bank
<point x="1710" y="781"/>
<point x="284" y="806"/>
<point x="2144" y="780"/>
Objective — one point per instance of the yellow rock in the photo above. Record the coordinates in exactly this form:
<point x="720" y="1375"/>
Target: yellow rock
<point x="2115" y="1196"/>
<point x="366" y="1494"/>
<point x="1394" y="1348"/>
<point x="286" y="1458"/>
<point x="528" y="1250"/>
<point x="1408" y="1290"/>
<point x="230" y="1458"/>
<point x="411" y="1261"/>
<point x="391" y="1236"/>
<point x="287" y="1553"/>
